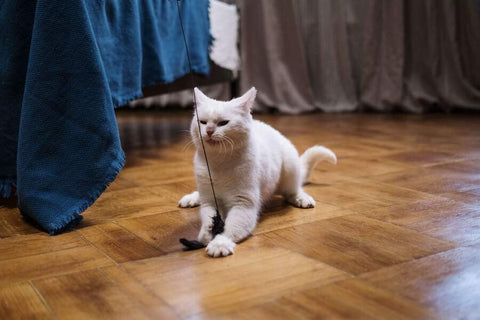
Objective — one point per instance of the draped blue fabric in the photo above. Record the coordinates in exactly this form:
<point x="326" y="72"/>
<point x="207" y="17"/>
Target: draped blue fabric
<point x="64" y="66"/>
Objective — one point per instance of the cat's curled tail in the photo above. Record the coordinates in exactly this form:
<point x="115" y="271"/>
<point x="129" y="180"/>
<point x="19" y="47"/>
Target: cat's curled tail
<point x="312" y="156"/>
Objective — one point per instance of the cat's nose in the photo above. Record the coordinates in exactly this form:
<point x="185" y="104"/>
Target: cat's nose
<point x="210" y="132"/>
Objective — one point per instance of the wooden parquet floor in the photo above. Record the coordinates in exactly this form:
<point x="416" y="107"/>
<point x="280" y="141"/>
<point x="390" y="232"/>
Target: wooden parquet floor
<point x="395" y="234"/>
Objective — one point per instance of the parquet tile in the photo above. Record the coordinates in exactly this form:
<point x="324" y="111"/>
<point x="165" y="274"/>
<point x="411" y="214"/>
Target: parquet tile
<point x="390" y="194"/>
<point x="424" y="157"/>
<point x="337" y="196"/>
<point x="352" y="167"/>
<point x="20" y="301"/>
<point x="12" y="223"/>
<point x="448" y="282"/>
<point x="163" y="230"/>
<point x="99" y="294"/>
<point x="35" y="244"/>
<point x="121" y="183"/>
<point x="258" y="272"/>
<point x="175" y="190"/>
<point x="159" y="174"/>
<point x="416" y="212"/>
<point x="348" y="299"/>
<point x="356" y="244"/>
<point x="446" y="178"/>
<point x="285" y="216"/>
<point x="52" y="263"/>
<point x="471" y="197"/>
<point x="462" y="229"/>
<point x="128" y="203"/>
<point x="117" y="242"/>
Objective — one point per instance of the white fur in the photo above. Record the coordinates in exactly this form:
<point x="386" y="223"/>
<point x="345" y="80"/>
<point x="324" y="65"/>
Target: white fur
<point x="190" y="200"/>
<point x="250" y="162"/>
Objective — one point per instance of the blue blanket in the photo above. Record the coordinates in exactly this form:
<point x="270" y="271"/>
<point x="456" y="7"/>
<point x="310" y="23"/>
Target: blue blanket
<point x="64" y="66"/>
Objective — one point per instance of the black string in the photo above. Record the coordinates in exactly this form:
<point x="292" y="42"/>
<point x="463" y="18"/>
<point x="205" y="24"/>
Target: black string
<point x="218" y="223"/>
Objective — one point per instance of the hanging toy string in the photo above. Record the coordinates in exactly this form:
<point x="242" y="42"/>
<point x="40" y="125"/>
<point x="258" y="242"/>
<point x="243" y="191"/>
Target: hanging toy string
<point x="218" y="223"/>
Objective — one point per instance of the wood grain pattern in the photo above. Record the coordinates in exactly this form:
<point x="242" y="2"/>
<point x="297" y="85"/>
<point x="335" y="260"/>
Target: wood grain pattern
<point x="382" y="192"/>
<point x="463" y="228"/>
<point x="443" y="218"/>
<point x="118" y="243"/>
<point x="20" y="301"/>
<point x="94" y="294"/>
<point x="58" y="262"/>
<point x="445" y="178"/>
<point x="412" y="213"/>
<point x="151" y="175"/>
<point x="337" y="196"/>
<point x="11" y="221"/>
<point x="348" y="299"/>
<point x="163" y="230"/>
<point x="424" y="157"/>
<point x="356" y="244"/>
<point x="258" y="271"/>
<point x="395" y="233"/>
<point x="470" y="197"/>
<point x="148" y="301"/>
<point x="128" y="203"/>
<point x="353" y="167"/>
<point x="285" y="216"/>
<point x="448" y="282"/>
<point x="35" y="244"/>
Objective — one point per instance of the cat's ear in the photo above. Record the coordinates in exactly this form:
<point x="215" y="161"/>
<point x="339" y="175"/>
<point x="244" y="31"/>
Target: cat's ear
<point x="246" y="101"/>
<point x="200" y="96"/>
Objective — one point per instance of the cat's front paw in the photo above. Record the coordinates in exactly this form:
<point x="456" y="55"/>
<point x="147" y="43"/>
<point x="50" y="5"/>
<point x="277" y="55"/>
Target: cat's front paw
<point x="302" y="200"/>
<point x="190" y="200"/>
<point x="205" y="235"/>
<point x="220" y="246"/>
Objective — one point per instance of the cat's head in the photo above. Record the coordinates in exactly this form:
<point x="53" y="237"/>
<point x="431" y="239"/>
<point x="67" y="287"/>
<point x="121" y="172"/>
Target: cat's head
<point x="224" y="125"/>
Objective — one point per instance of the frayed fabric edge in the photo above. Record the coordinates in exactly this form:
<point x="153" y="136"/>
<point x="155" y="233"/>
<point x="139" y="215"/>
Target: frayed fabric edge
<point x="6" y="186"/>
<point x="71" y="220"/>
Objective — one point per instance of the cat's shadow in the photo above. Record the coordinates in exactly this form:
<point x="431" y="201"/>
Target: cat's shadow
<point x="278" y="206"/>
<point x="275" y="207"/>
<point x="10" y="202"/>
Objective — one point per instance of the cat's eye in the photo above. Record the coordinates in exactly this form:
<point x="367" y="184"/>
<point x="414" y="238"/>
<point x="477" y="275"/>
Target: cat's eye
<point x="203" y="122"/>
<point x="222" y="123"/>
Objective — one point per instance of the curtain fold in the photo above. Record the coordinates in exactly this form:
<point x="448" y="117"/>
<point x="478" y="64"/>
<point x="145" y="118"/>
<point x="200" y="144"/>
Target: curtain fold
<point x="273" y="57"/>
<point x="346" y="55"/>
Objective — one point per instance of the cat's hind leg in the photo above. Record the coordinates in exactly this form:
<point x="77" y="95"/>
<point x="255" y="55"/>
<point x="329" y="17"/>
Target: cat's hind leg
<point x="291" y="186"/>
<point x="190" y="200"/>
<point x="301" y="199"/>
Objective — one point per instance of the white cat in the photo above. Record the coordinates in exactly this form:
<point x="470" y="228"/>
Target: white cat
<point x="250" y="162"/>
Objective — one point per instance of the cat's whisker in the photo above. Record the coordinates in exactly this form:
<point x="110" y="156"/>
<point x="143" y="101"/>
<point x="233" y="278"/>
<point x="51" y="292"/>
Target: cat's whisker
<point x="227" y="147"/>
<point x="185" y="134"/>
<point x="189" y="143"/>
<point x="227" y="144"/>
<point x="224" y="147"/>
<point x="222" y="142"/>
<point x="231" y="144"/>
<point x="219" y="152"/>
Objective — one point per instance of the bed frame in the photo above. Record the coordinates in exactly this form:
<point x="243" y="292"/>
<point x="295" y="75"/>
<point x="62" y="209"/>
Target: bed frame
<point x="217" y="75"/>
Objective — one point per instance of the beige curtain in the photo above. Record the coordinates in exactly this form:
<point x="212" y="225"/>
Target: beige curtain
<point x="345" y="55"/>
